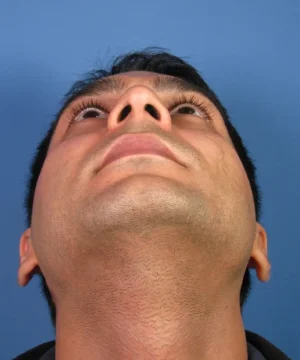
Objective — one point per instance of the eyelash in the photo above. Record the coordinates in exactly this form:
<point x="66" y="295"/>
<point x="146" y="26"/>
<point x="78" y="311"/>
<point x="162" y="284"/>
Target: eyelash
<point x="83" y="104"/>
<point x="182" y="99"/>
<point x="187" y="100"/>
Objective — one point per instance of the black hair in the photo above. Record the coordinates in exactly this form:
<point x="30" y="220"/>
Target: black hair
<point x="158" y="61"/>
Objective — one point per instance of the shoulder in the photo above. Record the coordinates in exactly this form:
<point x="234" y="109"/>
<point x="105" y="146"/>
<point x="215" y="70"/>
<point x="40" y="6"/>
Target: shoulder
<point x="269" y="350"/>
<point x="36" y="352"/>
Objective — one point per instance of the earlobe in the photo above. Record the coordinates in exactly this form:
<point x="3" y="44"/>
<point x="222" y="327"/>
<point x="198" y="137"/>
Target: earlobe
<point x="259" y="256"/>
<point x="28" y="261"/>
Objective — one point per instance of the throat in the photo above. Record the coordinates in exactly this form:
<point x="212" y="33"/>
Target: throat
<point x="135" y="327"/>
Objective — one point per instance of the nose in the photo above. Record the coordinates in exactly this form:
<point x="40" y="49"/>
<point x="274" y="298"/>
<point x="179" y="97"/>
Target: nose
<point x="139" y="104"/>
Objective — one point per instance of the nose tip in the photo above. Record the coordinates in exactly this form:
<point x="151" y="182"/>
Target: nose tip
<point x="139" y="104"/>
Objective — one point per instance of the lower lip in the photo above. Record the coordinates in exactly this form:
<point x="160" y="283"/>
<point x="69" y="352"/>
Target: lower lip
<point x="135" y="152"/>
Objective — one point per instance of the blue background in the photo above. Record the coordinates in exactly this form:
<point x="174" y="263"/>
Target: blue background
<point x="247" y="51"/>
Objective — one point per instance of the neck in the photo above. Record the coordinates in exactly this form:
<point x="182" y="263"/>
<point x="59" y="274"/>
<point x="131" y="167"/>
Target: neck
<point x="160" y="335"/>
<point x="150" y="303"/>
<point x="138" y="327"/>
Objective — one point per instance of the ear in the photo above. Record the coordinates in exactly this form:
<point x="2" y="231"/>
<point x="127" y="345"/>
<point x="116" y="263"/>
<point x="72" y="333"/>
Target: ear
<point x="259" y="256"/>
<point x="28" y="261"/>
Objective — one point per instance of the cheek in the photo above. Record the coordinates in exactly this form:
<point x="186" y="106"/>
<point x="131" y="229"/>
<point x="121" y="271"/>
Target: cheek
<point x="61" y="173"/>
<point x="231" y="172"/>
<point x="235" y="190"/>
<point x="225" y="171"/>
<point x="64" y="162"/>
<point x="52" y="203"/>
<point x="232" y="196"/>
<point x="54" y="179"/>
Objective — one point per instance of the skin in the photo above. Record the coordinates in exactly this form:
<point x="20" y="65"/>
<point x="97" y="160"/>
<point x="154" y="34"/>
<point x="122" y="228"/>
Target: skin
<point x="145" y="258"/>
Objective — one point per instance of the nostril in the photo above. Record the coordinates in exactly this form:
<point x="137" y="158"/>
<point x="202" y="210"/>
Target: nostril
<point x="152" y="111"/>
<point x="124" y="112"/>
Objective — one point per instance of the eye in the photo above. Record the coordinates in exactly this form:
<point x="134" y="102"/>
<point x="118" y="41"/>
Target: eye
<point x="90" y="113"/>
<point x="187" y="109"/>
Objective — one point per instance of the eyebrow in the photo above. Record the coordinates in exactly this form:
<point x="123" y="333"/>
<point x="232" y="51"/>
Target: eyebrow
<point x="161" y="83"/>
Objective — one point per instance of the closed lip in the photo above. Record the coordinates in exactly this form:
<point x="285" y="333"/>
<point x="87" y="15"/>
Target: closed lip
<point x="131" y="144"/>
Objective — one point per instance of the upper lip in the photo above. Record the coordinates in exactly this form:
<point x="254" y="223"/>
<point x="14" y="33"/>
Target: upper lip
<point x="137" y="143"/>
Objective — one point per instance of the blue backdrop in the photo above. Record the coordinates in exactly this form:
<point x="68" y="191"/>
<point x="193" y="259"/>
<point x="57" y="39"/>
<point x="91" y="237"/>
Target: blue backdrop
<point x="248" y="51"/>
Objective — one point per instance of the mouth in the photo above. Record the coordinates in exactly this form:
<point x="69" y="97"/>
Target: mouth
<point x="134" y="144"/>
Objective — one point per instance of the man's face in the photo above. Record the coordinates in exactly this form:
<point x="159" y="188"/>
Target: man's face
<point x="198" y="204"/>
